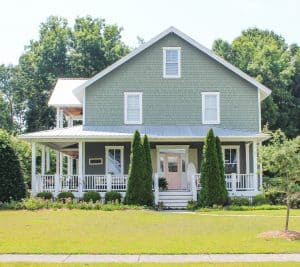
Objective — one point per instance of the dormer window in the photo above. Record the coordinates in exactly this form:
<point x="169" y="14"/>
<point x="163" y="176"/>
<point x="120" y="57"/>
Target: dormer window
<point x="172" y="62"/>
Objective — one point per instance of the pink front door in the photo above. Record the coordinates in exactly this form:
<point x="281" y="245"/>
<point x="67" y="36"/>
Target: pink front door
<point x="172" y="166"/>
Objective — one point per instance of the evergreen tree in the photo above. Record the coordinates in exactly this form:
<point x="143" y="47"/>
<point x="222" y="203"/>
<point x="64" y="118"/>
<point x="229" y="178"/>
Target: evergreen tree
<point x="12" y="185"/>
<point x="134" y="194"/>
<point x="147" y="181"/>
<point x="222" y="183"/>
<point x="210" y="173"/>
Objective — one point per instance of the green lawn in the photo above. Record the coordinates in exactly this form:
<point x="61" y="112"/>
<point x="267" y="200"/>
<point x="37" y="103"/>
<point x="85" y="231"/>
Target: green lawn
<point x="77" y="231"/>
<point x="253" y="264"/>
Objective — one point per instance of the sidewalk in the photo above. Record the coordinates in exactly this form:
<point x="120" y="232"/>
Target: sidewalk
<point x="61" y="258"/>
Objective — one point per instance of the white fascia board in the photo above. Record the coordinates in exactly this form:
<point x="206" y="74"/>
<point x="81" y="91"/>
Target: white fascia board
<point x="78" y="91"/>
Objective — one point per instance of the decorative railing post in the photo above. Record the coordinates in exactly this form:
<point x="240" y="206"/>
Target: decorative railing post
<point x="108" y="182"/>
<point x="255" y="182"/>
<point x="56" y="184"/>
<point x="233" y="183"/>
<point x="80" y="184"/>
<point x="156" y="189"/>
<point x="194" y="187"/>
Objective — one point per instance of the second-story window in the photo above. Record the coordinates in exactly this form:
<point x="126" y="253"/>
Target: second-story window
<point x="172" y="62"/>
<point x="211" y="108"/>
<point x="133" y="107"/>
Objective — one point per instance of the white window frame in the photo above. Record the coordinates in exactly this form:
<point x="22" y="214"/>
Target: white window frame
<point x="140" y="94"/>
<point x="204" y="94"/>
<point x="93" y="159"/>
<point x="164" y="62"/>
<point x="121" y="148"/>
<point x="237" y="147"/>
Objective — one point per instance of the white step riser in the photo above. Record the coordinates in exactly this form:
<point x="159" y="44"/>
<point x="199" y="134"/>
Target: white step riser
<point x="175" y="197"/>
<point x="181" y="193"/>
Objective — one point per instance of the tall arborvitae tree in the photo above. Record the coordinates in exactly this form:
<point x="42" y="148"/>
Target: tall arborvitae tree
<point x="210" y="172"/>
<point x="134" y="194"/>
<point x="147" y="181"/>
<point x="222" y="183"/>
<point x="12" y="185"/>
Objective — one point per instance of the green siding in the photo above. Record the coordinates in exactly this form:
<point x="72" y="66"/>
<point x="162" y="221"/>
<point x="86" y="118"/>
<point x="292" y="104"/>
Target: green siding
<point x="172" y="101"/>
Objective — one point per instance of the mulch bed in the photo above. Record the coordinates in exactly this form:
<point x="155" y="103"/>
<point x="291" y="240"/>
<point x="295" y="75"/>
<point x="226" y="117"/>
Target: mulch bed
<point x="289" y="235"/>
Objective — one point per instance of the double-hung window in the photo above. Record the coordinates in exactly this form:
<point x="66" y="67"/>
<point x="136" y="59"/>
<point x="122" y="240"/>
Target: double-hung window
<point x="231" y="159"/>
<point x="211" y="108"/>
<point x="133" y="107"/>
<point x="114" y="159"/>
<point x="172" y="62"/>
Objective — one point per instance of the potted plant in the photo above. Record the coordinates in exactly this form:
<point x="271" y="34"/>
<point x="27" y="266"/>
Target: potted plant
<point x="162" y="184"/>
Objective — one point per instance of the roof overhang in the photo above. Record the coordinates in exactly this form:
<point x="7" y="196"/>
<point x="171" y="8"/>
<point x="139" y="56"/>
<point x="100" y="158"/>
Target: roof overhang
<point x="79" y="91"/>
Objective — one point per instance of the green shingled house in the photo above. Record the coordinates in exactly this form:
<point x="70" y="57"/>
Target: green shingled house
<point x="172" y="89"/>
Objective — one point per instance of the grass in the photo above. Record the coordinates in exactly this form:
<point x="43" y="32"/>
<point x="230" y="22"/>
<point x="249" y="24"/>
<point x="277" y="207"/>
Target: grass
<point x="148" y="232"/>
<point x="202" y="264"/>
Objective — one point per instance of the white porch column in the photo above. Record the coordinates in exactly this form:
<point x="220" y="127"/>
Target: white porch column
<point x="260" y="172"/>
<point x="255" y="182"/>
<point x="56" y="181"/>
<point x="233" y="183"/>
<point x="61" y="163"/>
<point x="47" y="159"/>
<point x="109" y="182"/>
<point x="70" y="165"/>
<point x="70" y="121"/>
<point x="33" y="170"/>
<point x="43" y="158"/>
<point x="156" y="189"/>
<point x="80" y="168"/>
<point x="247" y="159"/>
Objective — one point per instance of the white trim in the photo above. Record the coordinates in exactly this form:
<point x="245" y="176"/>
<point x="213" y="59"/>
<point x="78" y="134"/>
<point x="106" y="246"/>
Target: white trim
<point x="33" y="169"/>
<point x="265" y="90"/>
<point x="140" y="95"/>
<point x="178" y="49"/>
<point x="122" y="157"/>
<point x="203" y="95"/>
<point x="259" y="110"/>
<point x="247" y="158"/>
<point x="237" y="147"/>
<point x="83" y="108"/>
<point x="95" y="159"/>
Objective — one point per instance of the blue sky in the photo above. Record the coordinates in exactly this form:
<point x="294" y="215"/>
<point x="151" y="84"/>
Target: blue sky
<point x="204" y="20"/>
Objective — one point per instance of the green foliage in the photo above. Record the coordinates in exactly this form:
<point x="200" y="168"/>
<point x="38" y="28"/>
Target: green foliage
<point x="265" y="56"/>
<point x="113" y="197"/>
<point x="147" y="179"/>
<point x="211" y="187"/>
<point x="223" y="194"/>
<point x="260" y="199"/>
<point x="134" y="194"/>
<point x="162" y="183"/>
<point x="91" y="196"/>
<point x="45" y="195"/>
<point x="12" y="185"/>
<point x="65" y="196"/>
<point x="240" y="201"/>
<point x="192" y="205"/>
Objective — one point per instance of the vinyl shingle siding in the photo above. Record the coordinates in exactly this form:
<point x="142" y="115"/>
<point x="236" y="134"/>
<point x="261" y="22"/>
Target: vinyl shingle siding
<point x="172" y="101"/>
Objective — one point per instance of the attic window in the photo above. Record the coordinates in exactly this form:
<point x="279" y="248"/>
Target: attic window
<point x="133" y="107"/>
<point x="210" y="107"/>
<point x="172" y="62"/>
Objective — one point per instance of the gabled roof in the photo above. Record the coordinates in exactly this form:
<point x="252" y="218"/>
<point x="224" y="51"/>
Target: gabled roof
<point x="63" y="96"/>
<point x="265" y="91"/>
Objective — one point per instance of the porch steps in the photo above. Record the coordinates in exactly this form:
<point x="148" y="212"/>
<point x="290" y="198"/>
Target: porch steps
<point x="175" y="199"/>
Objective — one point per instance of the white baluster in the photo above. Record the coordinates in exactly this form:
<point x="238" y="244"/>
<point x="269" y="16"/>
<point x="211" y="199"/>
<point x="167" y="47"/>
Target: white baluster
<point x="156" y="189"/>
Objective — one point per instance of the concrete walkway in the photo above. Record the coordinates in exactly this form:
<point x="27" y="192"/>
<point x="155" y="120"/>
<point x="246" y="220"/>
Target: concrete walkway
<point x="61" y="258"/>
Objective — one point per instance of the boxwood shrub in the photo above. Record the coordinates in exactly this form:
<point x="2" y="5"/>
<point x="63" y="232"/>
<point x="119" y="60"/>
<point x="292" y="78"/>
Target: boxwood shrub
<point x="240" y="201"/>
<point x="65" y="195"/>
<point x="112" y="196"/>
<point x="45" y="195"/>
<point x="91" y="196"/>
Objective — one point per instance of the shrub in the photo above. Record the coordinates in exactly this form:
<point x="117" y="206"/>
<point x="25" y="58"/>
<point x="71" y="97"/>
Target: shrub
<point x="45" y="195"/>
<point x="240" y="201"/>
<point x="12" y="186"/>
<point x="113" y="197"/>
<point x="276" y="197"/>
<point x="260" y="200"/>
<point x="192" y="205"/>
<point x="65" y="195"/>
<point x="91" y="196"/>
<point x="162" y="183"/>
<point x="35" y="203"/>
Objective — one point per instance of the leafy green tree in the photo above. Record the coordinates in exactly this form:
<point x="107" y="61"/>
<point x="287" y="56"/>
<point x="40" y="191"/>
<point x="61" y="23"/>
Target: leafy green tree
<point x="147" y="179"/>
<point x="12" y="185"/>
<point x="222" y="183"/>
<point x="4" y="114"/>
<point x="265" y="56"/>
<point x="282" y="157"/>
<point x="134" y="194"/>
<point x="210" y="173"/>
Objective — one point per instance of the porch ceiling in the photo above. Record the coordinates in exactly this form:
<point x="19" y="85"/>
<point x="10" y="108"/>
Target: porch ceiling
<point x="74" y="134"/>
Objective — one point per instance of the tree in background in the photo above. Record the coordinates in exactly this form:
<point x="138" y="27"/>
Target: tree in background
<point x="282" y="158"/>
<point x="265" y="56"/>
<point x="210" y="173"/>
<point x="134" y="193"/>
<point x="147" y="179"/>
<point x="222" y="183"/>
<point x="12" y="185"/>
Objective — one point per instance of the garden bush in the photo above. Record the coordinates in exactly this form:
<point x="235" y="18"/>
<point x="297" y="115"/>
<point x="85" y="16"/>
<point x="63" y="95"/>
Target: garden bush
<point x="240" y="201"/>
<point x="65" y="195"/>
<point x="45" y="195"/>
<point x="260" y="200"/>
<point x="162" y="183"/>
<point x="192" y="205"/>
<point x="113" y="197"/>
<point x="91" y="196"/>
